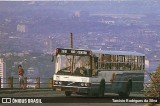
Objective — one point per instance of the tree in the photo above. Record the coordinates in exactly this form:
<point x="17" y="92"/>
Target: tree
<point x="153" y="88"/>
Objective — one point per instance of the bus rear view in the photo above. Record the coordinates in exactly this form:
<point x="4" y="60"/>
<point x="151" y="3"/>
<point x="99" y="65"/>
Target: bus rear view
<point x="72" y="71"/>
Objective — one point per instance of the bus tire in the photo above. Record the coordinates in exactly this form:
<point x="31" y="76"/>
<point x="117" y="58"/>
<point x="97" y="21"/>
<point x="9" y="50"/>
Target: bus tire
<point x="128" y="88"/>
<point x="101" y="88"/>
<point x="127" y="91"/>
<point x="124" y="94"/>
<point x="68" y="93"/>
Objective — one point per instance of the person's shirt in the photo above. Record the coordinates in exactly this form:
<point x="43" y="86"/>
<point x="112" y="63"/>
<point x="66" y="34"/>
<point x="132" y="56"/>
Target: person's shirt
<point x="20" y="71"/>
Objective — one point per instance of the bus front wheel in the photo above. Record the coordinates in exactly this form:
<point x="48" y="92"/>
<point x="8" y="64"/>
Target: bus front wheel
<point x="128" y="89"/>
<point x="68" y="93"/>
<point x="124" y="94"/>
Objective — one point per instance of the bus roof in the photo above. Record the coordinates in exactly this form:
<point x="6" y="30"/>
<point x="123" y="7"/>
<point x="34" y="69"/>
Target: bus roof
<point x="110" y="52"/>
<point x="118" y="52"/>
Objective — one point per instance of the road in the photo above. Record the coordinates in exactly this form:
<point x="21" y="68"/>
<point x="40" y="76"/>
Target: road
<point x="49" y="93"/>
<point x="59" y="99"/>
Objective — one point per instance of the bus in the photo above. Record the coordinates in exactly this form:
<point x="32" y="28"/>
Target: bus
<point x="96" y="72"/>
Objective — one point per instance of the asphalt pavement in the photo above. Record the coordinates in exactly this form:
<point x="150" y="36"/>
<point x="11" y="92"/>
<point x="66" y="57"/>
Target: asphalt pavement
<point x="59" y="99"/>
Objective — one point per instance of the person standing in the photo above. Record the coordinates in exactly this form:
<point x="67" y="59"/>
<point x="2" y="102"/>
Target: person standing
<point x="21" y="76"/>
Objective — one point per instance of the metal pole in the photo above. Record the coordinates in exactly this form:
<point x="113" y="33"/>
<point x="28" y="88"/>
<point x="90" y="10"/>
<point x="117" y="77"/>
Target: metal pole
<point x="71" y="41"/>
<point x="52" y="82"/>
<point x="38" y="83"/>
<point x="12" y="82"/>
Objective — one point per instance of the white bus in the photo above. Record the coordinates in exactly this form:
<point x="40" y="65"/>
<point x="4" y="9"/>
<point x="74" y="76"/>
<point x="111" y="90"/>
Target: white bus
<point x="95" y="72"/>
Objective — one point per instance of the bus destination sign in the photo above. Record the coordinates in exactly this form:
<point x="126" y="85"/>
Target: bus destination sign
<point x="72" y="51"/>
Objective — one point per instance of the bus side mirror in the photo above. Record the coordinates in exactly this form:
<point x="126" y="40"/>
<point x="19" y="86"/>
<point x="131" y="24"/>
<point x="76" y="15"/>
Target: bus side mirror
<point x="95" y="59"/>
<point x="52" y="58"/>
<point x="95" y="72"/>
<point x="96" y="62"/>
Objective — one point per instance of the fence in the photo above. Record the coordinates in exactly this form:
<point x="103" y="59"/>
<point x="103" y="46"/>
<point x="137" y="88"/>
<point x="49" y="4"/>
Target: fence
<point x="37" y="83"/>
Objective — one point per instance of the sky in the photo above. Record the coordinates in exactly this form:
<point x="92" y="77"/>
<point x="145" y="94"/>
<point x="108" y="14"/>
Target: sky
<point x="78" y="0"/>
<point x="110" y="6"/>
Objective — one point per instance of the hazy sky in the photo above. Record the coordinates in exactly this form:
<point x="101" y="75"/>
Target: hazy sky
<point x="79" y="0"/>
<point x="115" y="7"/>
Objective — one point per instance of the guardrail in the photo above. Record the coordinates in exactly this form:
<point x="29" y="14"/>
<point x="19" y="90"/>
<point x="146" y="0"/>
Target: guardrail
<point x="36" y="83"/>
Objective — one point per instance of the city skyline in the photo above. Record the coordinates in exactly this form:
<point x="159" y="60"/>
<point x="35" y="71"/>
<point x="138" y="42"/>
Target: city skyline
<point x="41" y="27"/>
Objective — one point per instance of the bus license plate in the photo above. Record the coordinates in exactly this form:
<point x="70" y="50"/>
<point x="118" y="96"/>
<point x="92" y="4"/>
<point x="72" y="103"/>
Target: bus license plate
<point x="58" y="89"/>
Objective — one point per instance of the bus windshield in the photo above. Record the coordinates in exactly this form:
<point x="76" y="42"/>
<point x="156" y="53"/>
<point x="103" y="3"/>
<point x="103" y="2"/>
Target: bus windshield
<point x="73" y="65"/>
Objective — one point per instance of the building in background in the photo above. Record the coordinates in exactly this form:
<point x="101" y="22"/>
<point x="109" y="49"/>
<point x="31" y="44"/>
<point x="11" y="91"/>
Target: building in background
<point x="21" y="28"/>
<point x="2" y="72"/>
<point x="32" y="74"/>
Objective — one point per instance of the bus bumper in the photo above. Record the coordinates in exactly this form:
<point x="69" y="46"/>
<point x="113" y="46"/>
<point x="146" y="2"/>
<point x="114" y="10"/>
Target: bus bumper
<point x="73" y="89"/>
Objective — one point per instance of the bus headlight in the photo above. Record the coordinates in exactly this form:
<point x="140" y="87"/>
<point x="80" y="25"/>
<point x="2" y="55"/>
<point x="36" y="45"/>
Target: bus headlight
<point x="60" y="83"/>
<point x="82" y="84"/>
<point x="86" y="84"/>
